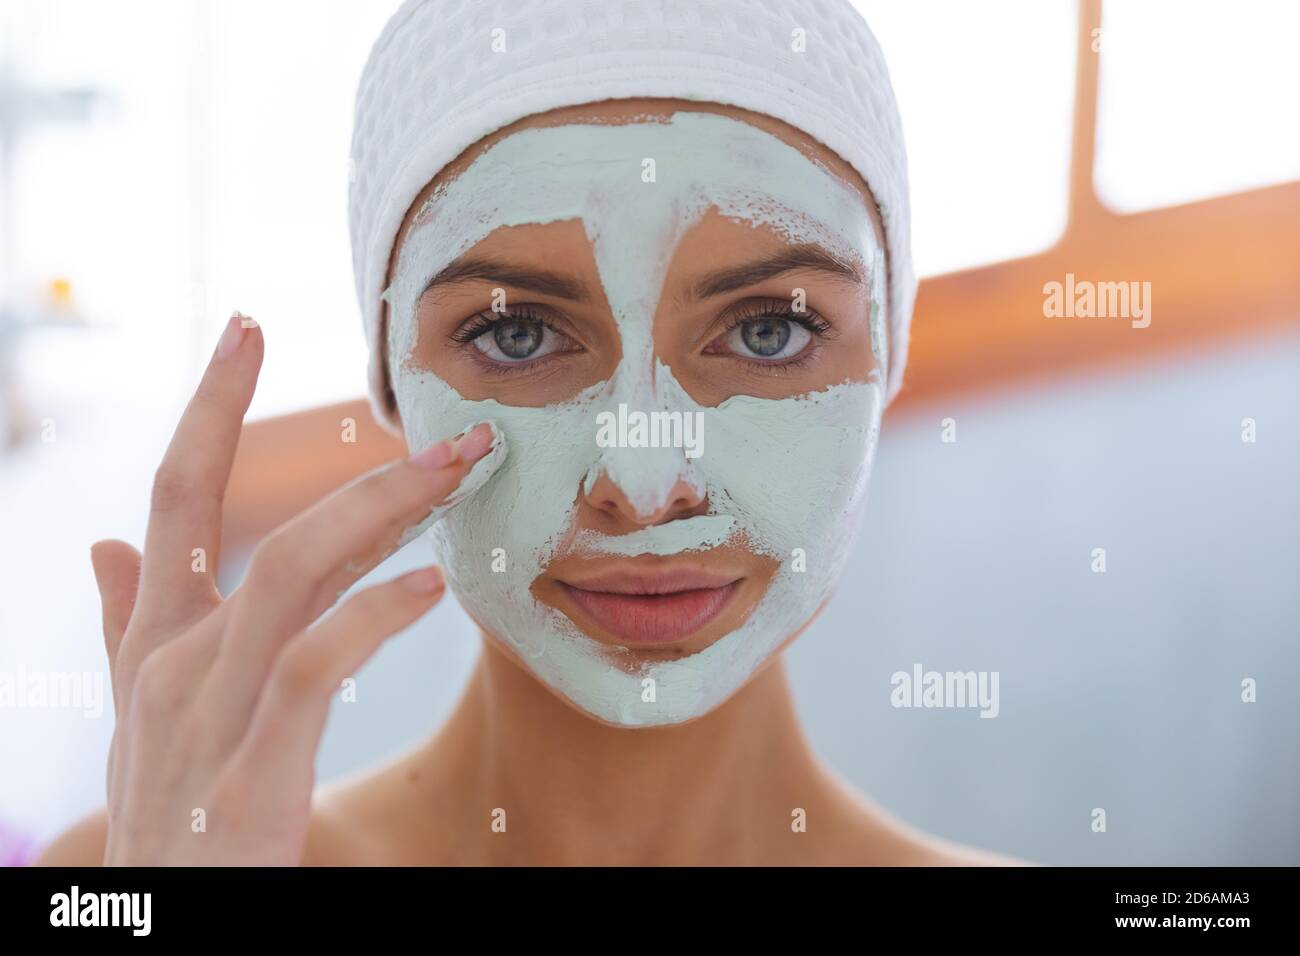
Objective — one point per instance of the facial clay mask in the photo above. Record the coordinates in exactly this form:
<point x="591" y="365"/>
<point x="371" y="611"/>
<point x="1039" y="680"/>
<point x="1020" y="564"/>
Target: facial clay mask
<point x="787" y="478"/>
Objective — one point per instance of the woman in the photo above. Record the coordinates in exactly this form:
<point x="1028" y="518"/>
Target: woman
<point x="639" y="269"/>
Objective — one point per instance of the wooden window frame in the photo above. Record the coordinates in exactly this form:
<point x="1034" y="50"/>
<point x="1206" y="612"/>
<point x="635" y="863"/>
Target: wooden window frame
<point x="1219" y="268"/>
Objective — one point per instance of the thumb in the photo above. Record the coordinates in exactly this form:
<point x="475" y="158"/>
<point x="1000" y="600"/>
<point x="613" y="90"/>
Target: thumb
<point x="117" y="572"/>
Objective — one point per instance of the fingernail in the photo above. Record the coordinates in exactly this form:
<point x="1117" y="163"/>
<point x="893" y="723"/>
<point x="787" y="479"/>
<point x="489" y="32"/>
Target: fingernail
<point x="233" y="336"/>
<point x="475" y="444"/>
<point x="424" y="581"/>
<point x="435" y="456"/>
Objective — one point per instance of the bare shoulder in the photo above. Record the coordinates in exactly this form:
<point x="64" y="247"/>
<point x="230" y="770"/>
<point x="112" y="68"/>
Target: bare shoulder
<point x="890" y="842"/>
<point x="345" y="822"/>
<point x="874" y="836"/>
<point x="355" y="820"/>
<point x="82" y="844"/>
<point x="336" y="834"/>
<point x="931" y="851"/>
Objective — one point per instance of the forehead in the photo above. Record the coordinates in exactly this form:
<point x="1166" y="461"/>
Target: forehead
<point x="625" y="111"/>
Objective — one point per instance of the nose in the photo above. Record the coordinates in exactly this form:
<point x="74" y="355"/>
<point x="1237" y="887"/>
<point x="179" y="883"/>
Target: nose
<point x="606" y="496"/>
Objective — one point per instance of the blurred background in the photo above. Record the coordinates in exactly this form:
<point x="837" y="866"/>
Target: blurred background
<point x="163" y="163"/>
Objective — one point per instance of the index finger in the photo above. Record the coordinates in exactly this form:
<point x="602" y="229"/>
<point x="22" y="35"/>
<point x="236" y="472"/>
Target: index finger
<point x="298" y="572"/>
<point x="177" y="577"/>
<point x="301" y="569"/>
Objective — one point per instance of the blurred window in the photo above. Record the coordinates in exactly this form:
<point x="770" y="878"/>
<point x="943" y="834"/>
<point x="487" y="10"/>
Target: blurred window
<point x="212" y="176"/>
<point x="1197" y="98"/>
<point x="986" y="92"/>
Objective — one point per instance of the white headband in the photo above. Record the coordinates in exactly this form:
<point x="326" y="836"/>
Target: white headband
<point x="446" y="73"/>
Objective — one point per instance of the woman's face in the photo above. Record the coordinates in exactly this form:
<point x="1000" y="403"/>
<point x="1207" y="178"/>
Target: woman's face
<point x="673" y="313"/>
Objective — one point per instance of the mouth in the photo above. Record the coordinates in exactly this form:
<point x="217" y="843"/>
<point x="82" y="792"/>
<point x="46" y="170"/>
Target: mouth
<point x="653" y="608"/>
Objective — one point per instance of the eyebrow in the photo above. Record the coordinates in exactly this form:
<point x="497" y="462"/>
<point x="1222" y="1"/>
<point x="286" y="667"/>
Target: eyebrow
<point x="544" y="281"/>
<point x="805" y="256"/>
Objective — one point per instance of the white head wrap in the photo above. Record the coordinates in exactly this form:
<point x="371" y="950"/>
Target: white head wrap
<point x="445" y="73"/>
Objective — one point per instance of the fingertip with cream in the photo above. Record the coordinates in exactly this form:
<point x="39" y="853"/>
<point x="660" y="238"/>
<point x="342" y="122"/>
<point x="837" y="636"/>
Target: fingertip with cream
<point x="467" y="447"/>
<point x="476" y="442"/>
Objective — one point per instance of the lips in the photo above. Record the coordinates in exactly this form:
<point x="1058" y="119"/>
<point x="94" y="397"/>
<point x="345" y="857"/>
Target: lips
<point x="657" y="608"/>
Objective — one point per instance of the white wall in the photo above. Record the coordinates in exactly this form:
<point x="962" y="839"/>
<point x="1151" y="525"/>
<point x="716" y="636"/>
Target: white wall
<point x="1118" y="690"/>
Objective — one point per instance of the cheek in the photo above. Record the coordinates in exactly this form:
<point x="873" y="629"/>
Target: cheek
<point x="495" y="544"/>
<point x="794" y="470"/>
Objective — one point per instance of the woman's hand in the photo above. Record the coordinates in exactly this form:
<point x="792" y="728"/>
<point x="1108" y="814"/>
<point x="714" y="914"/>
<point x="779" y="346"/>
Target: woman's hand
<point x="221" y="702"/>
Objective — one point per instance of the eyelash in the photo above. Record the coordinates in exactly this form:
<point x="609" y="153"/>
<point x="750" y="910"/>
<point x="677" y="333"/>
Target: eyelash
<point x="480" y="322"/>
<point x="751" y="309"/>
<point x="781" y="309"/>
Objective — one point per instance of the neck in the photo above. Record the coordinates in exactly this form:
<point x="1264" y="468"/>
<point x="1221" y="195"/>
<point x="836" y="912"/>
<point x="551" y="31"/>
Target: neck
<point x="721" y="789"/>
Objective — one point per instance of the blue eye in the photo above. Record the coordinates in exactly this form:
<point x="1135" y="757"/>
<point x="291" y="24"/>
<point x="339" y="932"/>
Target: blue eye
<point x="771" y="338"/>
<point x="514" y="337"/>
<point x="769" y="332"/>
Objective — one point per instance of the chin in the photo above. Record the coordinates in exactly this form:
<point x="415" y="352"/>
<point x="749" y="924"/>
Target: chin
<point x="644" y="684"/>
